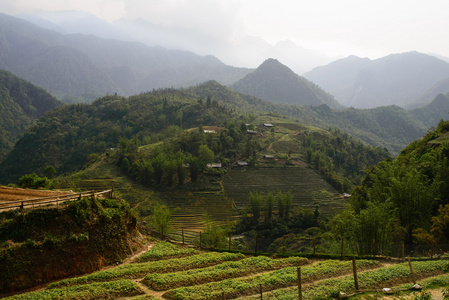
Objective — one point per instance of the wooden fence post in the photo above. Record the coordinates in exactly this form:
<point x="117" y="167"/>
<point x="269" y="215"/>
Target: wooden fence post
<point x="354" y="269"/>
<point x="299" y="284"/>
<point x="260" y="288"/>
<point x="411" y="270"/>
<point x="223" y="295"/>
<point x="182" y="233"/>
<point x="257" y="241"/>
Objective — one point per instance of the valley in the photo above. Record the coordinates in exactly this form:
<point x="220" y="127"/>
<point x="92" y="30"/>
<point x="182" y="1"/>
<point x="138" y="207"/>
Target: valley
<point x="192" y="179"/>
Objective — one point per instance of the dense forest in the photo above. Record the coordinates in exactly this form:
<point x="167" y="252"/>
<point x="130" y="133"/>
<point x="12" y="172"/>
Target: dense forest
<point x="402" y="200"/>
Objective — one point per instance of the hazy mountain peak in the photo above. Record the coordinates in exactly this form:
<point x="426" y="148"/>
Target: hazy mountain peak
<point x="277" y="83"/>
<point x="396" y="79"/>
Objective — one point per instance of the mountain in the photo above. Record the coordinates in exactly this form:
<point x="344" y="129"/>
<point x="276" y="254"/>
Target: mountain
<point x="21" y="104"/>
<point x="441" y="87"/>
<point x="339" y="76"/>
<point x="397" y="79"/>
<point x="436" y="110"/>
<point x="275" y="82"/>
<point x="236" y="50"/>
<point x="79" y="68"/>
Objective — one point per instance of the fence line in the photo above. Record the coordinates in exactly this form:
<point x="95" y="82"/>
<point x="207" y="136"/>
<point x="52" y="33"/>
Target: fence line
<point x="197" y="238"/>
<point x="38" y="201"/>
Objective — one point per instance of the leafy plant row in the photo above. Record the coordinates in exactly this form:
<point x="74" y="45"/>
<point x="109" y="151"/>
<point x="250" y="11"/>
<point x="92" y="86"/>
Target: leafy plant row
<point x="225" y="270"/>
<point x="141" y="269"/>
<point x="367" y="279"/>
<point x="163" y="250"/>
<point x="236" y="287"/>
<point x="97" y="290"/>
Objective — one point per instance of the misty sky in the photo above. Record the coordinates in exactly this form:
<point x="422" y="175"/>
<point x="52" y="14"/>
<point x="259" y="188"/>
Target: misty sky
<point x="372" y="28"/>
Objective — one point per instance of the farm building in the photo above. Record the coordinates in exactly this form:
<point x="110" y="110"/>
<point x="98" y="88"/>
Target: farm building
<point x="266" y="156"/>
<point x="214" y="166"/>
<point x="242" y="164"/>
<point x="268" y="125"/>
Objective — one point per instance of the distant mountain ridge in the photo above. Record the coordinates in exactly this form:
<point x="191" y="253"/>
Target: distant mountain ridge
<point x="246" y="51"/>
<point x="397" y="79"/>
<point x="78" y="67"/>
<point x="275" y="82"/>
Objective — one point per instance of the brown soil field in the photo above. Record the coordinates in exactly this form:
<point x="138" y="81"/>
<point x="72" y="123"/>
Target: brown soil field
<point x="12" y="194"/>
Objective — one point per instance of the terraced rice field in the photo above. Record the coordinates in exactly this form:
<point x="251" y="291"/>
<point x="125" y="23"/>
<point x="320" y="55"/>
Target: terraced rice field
<point x="194" y="207"/>
<point x="307" y="187"/>
<point x="172" y="272"/>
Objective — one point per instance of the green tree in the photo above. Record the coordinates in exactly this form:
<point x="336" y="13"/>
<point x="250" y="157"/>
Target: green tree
<point x="205" y="154"/>
<point x="268" y="208"/>
<point x="50" y="171"/>
<point x="195" y="167"/>
<point x="146" y="173"/>
<point x="159" y="163"/>
<point x="255" y="201"/>
<point x="162" y="218"/>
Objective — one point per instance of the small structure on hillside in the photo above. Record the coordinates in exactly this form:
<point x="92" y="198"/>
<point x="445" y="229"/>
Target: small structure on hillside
<point x="214" y="166"/>
<point x="209" y="131"/>
<point x="266" y="156"/>
<point x="249" y="131"/>
<point x="346" y="195"/>
<point x="267" y="125"/>
<point x="242" y="163"/>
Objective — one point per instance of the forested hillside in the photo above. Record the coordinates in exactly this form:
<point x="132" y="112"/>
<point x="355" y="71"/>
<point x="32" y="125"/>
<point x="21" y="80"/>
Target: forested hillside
<point x="405" y="199"/>
<point x="66" y="136"/>
<point x="21" y="103"/>
<point x="71" y="133"/>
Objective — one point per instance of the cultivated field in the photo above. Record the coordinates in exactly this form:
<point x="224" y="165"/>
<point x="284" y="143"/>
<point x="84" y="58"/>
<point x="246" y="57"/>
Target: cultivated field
<point x="8" y="194"/>
<point x="174" y="272"/>
<point x="307" y="187"/>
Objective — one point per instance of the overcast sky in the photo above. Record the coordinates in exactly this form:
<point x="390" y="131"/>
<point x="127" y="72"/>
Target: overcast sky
<point x="373" y="28"/>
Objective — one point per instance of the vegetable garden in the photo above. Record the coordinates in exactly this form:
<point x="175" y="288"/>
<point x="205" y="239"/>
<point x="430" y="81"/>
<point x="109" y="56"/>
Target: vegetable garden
<point x="167" y="271"/>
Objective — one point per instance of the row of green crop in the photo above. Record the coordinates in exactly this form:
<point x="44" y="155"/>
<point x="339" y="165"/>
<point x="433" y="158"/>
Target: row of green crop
<point x="97" y="290"/>
<point x="162" y="266"/>
<point x="164" y="250"/>
<point x="235" y="287"/>
<point x="219" y="272"/>
<point x="378" y="278"/>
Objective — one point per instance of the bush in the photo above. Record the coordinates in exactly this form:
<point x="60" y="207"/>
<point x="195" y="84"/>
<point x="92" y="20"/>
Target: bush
<point x="33" y="181"/>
